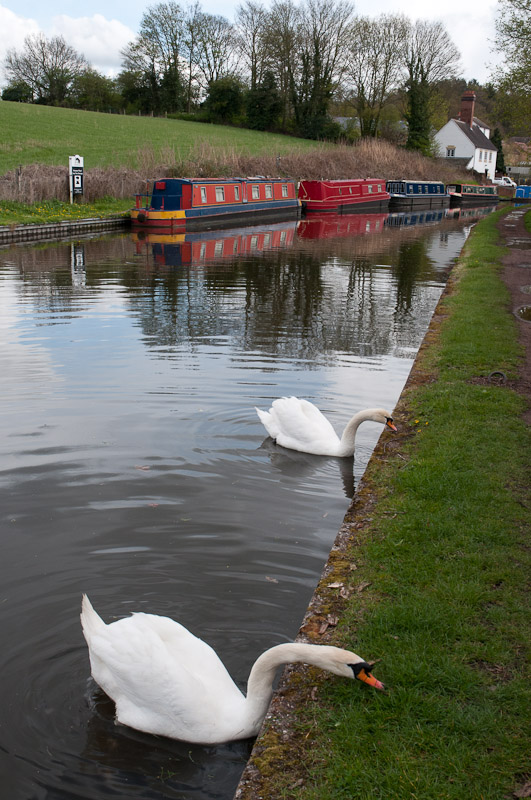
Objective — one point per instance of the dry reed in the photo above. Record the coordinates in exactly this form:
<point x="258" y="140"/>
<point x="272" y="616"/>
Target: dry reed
<point x="369" y="158"/>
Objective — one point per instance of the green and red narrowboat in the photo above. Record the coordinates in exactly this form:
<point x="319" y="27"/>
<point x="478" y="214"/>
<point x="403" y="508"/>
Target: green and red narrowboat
<point x="471" y="194"/>
<point x="359" y="194"/>
<point x="177" y="203"/>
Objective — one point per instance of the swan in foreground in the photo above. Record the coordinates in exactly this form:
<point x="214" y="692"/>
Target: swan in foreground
<point x="166" y="681"/>
<point x="299" y="425"/>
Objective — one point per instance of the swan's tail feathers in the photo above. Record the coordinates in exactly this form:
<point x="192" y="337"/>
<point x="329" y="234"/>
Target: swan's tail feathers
<point x="91" y="622"/>
<point x="266" y="418"/>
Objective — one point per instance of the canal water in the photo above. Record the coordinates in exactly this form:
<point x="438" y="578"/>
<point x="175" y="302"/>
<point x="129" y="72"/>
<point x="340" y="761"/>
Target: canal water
<point x="133" y="466"/>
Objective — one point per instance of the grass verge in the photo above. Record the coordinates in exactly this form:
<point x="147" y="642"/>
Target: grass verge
<point x="437" y="581"/>
<point x="12" y="213"/>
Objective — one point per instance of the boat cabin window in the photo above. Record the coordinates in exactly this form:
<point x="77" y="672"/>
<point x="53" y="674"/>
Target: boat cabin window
<point x="369" y="187"/>
<point x="203" y="194"/>
<point x="284" y="190"/>
<point x="220" y="193"/>
<point x="269" y="190"/>
<point x="218" y="247"/>
<point x="255" y="192"/>
<point x="254" y="240"/>
<point x="236" y="192"/>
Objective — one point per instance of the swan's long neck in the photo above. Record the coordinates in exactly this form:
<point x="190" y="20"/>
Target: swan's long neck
<point x="260" y="683"/>
<point x="346" y="445"/>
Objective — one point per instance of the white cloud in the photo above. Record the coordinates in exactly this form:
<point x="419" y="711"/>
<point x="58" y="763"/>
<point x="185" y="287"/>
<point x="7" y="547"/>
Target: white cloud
<point x="97" y="38"/>
<point x="100" y="40"/>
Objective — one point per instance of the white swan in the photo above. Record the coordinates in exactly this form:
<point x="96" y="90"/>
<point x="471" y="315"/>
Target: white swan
<point x="299" y="425"/>
<point x="166" y="681"/>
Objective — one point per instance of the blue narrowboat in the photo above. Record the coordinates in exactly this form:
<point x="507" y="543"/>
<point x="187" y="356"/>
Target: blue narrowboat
<point x="177" y="203"/>
<point x="523" y="193"/>
<point x="408" y="194"/>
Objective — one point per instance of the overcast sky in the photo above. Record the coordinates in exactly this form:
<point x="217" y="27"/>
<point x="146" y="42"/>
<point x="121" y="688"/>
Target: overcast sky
<point x="99" y="30"/>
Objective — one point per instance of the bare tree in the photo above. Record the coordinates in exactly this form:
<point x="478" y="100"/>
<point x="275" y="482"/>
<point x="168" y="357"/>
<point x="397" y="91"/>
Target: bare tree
<point x="250" y="28"/>
<point x="190" y="49"/>
<point x="430" y="56"/>
<point x="47" y="66"/>
<point x="375" y="66"/>
<point x="325" y="30"/>
<point x="282" y="45"/>
<point x="215" y="47"/>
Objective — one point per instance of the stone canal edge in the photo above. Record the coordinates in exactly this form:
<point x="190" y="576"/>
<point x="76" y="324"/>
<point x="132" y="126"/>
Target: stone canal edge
<point x="271" y="751"/>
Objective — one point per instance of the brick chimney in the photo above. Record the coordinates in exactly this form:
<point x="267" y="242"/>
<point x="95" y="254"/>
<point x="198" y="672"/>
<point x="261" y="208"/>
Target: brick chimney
<point x="468" y="101"/>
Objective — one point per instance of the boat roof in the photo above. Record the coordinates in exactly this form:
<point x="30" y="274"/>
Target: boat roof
<point x="255" y="178"/>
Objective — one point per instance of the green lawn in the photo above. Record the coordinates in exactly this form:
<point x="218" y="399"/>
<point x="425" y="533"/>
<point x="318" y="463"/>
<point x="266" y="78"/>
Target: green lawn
<point x="445" y="561"/>
<point x="34" y="134"/>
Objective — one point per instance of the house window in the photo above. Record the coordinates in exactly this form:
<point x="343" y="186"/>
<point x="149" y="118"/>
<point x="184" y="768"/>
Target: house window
<point x="220" y="194"/>
<point x="490" y="155"/>
<point x="450" y="152"/>
<point x="268" y="191"/>
<point x="255" y="192"/>
<point x="284" y="190"/>
<point x="236" y="192"/>
<point x="480" y="157"/>
<point x="203" y="194"/>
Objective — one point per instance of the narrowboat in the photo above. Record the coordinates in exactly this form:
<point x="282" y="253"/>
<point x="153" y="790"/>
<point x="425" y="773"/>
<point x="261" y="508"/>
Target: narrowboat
<point x="176" y="203"/>
<point x="199" y="248"/>
<point x="360" y="194"/>
<point x="330" y="226"/>
<point x="407" y="194"/>
<point x="471" y="194"/>
<point x="523" y="194"/>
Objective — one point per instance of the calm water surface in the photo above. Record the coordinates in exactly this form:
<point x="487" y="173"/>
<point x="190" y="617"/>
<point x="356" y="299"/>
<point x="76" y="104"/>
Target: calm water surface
<point x="133" y="465"/>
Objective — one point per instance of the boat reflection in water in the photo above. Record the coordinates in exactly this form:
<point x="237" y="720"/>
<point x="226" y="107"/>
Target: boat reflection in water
<point x="195" y="248"/>
<point x="476" y="212"/>
<point x="433" y="217"/>
<point x="326" y="226"/>
<point x="420" y="217"/>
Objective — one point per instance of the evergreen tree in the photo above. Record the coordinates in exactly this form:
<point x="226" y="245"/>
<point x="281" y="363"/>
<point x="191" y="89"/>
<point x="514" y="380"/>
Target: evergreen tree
<point x="496" y="140"/>
<point x="263" y="104"/>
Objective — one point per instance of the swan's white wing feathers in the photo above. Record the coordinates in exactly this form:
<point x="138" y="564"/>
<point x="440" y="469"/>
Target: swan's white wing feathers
<point x="155" y="670"/>
<point x="299" y="425"/>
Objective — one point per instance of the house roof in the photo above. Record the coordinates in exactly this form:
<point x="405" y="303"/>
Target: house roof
<point x="476" y="136"/>
<point x="481" y="124"/>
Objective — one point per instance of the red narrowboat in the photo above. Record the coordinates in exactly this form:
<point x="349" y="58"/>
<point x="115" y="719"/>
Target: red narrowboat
<point x="360" y="194"/>
<point x="177" y="203"/>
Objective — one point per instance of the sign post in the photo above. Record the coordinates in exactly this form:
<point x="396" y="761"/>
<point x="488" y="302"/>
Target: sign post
<point x="75" y="176"/>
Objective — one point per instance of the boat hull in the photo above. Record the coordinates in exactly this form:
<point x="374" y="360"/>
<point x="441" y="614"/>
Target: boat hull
<point x="192" y="218"/>
<point x="404" y="202"/>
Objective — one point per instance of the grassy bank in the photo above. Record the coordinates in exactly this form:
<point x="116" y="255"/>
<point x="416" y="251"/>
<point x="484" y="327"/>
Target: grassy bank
<point x="121" y="153"/>
<point x="437" y="581"/>
<point x="12" y="213"/>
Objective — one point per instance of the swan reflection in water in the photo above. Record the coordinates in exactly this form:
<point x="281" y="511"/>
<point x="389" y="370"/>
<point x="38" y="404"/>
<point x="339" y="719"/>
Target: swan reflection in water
<point x="294" y="464"/>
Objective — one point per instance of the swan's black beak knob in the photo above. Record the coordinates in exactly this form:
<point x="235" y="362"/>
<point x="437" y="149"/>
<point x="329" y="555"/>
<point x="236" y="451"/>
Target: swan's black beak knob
<point x="389" y="423"/>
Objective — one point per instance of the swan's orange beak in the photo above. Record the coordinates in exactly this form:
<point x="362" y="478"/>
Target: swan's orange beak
<point x="389" y="424"/>
<point x="369" y="678"/>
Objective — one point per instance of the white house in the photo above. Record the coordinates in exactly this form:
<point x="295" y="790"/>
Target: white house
<point x="468" y="139"/>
